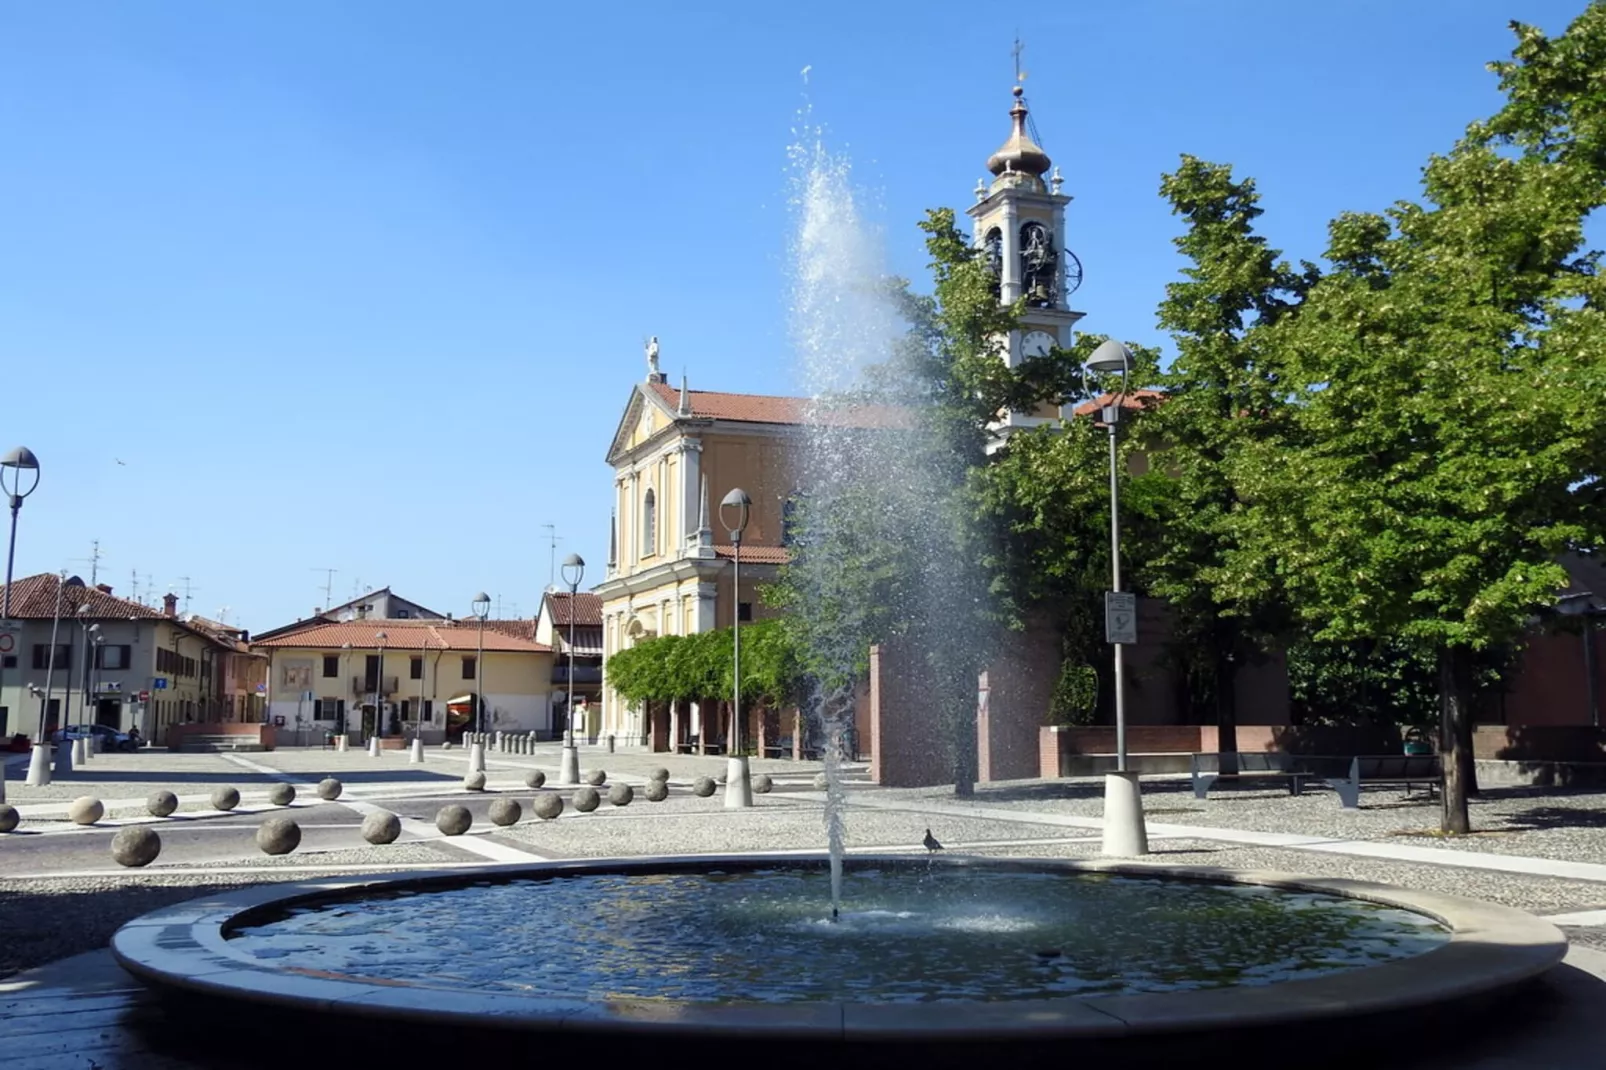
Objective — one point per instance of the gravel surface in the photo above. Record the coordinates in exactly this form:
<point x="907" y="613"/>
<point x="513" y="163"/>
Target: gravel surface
<point x="394" y="854"/>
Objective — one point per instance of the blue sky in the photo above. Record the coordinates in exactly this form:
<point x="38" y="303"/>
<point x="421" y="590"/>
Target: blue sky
<point x="363" y="285"/>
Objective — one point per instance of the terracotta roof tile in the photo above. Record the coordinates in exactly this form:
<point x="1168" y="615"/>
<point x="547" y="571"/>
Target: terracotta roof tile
<point x="757" y="555"/>
<point x="1137" y="399"/>
<point x="404" y="635"/>
<point x="517" y="627"/>
<point x="588" y="609"/>
<point x="34" y="598"/>
<point x="770" y="409"/>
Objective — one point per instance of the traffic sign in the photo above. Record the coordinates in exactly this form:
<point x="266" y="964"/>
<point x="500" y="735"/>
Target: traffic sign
<point x="10" y="636"/>
<point x="144" y="696"/>
<point x="1120" y="617"/>
<point x="160" y="683"/>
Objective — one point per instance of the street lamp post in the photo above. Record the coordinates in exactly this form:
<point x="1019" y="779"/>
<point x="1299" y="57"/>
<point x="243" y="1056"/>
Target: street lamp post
<point x="86" y="629"/>
<point x="734" y="512"/>
<point x="379" y="690"/>
<point x="15" y="467"/>
<point x="574" y="570"/>
<point x="345" y="682"/>
<point x="482" y="606"/>
<point x="1124" y="831"/>
<point x="39" y="760"/>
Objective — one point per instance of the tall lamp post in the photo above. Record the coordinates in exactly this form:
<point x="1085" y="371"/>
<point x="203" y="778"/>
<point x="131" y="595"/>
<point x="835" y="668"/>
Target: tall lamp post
<point x="734" y="512"/>
<point x="39" y="760"/>
<point x="574" y="570"/>
<point x="482" y="606"/>
<point x="1124" y="830"/>
<point x="379" y="688"/>
<point x="90" y="632"/>
<point x="16" y="468"/>
<point x="345" y="678"/>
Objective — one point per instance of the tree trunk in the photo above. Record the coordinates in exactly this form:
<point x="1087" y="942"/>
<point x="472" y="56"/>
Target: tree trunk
<point x="1227" y="712"/>
<point x="1455" y="736"/>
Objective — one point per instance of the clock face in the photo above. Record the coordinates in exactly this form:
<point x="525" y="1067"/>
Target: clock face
<point x="1036" y="344"/>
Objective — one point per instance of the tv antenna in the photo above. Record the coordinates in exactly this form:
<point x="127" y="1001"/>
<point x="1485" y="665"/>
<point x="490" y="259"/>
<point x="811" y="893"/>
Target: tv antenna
<point x="553" y="538"/>
<point x="328" y="586"/>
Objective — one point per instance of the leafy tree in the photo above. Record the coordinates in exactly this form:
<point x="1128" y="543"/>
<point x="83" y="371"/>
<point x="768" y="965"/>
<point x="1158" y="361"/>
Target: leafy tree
<point x="1448" y="389"/>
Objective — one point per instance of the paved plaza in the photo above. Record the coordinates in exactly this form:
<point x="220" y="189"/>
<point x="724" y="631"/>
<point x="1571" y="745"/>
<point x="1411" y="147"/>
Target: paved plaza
<point x="62" y="895"/>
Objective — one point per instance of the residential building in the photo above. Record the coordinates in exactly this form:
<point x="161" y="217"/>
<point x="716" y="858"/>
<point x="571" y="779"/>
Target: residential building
<point x="382" y="604"/>
<point x="116" y="662"/>
<point x="405" y="675"/>
<point x="579" y="615"/>
<point x="243" y="673"/>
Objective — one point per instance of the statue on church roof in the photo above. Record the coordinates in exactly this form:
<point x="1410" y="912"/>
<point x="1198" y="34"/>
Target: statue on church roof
<point x="652" y="359"/>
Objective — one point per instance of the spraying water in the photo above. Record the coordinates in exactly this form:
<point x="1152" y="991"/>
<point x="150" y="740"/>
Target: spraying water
<point x="842" y="323"/>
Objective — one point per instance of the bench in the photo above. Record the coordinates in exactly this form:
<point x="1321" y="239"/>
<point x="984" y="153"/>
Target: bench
<point x="1394" y="769"/>
<point x="1295" y="769"/>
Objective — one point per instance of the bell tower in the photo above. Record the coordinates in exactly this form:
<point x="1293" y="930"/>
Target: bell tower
<point x="1019" y="219"/>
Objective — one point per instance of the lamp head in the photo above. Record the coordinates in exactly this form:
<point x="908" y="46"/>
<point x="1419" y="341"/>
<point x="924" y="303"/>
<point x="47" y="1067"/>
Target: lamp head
<point x="16" y="468"/>
<point x="482" y="604"/>
<point x="574" y="570"/>
<point x="735" y="511"/>
<point x="380" y="637"/>
<point x="1111" y="357"/>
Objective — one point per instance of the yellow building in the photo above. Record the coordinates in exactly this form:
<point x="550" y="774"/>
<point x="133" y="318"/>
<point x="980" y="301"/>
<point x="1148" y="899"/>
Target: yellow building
<point x="675" y="456"/>
<point x="416" y="675"/>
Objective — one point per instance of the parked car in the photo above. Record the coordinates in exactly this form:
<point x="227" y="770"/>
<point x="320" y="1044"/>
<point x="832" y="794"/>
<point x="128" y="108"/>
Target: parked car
<point x="110" y="738"/>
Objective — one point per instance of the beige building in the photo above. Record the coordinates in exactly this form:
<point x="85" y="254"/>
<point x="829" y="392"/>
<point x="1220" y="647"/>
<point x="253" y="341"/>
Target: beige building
<point x="406" y="675"/>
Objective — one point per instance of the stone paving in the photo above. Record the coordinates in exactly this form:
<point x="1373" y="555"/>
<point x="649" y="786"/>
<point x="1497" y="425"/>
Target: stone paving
<point x="60" y="894"/>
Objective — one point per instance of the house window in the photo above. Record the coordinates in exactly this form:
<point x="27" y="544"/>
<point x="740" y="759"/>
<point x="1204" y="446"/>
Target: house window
<point x="416" y="669"/>
<point x="744" y="611"/>
<point x="649" y="524"/>
<point x="331" y="666"/>
<point x="41" y="656"/>
<point x="468" y="667"/>
<point x="402" y="614"/>
<point x="10" y="663"/>
<point x="324" y="709"/>
<point x="114" y="657"/>
<point x="429" y="709"/>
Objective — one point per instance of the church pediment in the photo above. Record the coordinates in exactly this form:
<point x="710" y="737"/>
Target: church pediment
<point x="644" y="417"/>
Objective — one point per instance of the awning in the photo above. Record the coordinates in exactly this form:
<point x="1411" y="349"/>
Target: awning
<point x="461" y="700"/>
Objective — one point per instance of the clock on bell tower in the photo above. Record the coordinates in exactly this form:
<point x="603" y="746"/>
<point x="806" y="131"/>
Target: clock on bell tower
<point x="1019" y="219"/>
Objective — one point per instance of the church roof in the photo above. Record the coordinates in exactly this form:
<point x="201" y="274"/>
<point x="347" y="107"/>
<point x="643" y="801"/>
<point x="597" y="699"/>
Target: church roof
<point x="1020" y="153"/>
<point x="774" y="409"/>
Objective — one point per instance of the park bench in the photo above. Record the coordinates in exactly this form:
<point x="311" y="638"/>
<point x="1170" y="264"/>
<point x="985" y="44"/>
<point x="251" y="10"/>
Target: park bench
<point x="1292" y="769"/>
<point x="1408" y="770"/>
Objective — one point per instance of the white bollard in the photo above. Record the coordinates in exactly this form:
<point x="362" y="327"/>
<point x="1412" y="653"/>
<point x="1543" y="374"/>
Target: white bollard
<point x="476" y="758"/>
<point x="38" y="766"/>
<point x="1124" y="833"/>
<point x="738" y="784"/>
<point x="417" y="755"/>
<point x="373" y="746"/>
<point x="63" y="760"/>
<point x="78" y="752"/>
<point x="570" y="772"/>
<point x="341" y="742"/>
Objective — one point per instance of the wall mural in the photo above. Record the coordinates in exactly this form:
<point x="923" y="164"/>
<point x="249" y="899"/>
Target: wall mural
<point x="295" y="677"/>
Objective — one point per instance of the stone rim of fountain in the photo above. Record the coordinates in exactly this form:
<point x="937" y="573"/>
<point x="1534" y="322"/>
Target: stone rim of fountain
<point x="1491" y="947"/>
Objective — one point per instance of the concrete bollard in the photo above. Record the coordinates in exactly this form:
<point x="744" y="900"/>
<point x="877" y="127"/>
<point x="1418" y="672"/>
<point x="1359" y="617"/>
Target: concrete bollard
<point x="78" y="752"/>
<point x="416" y="756"/>
<point x="64" y="759"/>
<point x="341" y="743"/>
<point x="1125" y="834"/>
<point x="38" y="766"/>
<point x="569" y="773"/>
<point x="476" y="758"/>
<point x="610" y="744"/>
<point x="373" y="746"/>
<point x="738" y="784"/>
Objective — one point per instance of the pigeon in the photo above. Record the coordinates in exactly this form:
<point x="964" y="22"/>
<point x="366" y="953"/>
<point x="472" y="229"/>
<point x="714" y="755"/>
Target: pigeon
<point x="931" y="842"/>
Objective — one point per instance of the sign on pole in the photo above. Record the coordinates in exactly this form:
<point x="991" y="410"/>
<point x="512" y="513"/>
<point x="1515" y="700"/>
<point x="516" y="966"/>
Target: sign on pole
<point x="1120" y="617"/>
<point x="10" y="636"/>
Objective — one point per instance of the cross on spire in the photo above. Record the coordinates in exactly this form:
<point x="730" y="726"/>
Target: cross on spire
<point x="1020" y="75"/>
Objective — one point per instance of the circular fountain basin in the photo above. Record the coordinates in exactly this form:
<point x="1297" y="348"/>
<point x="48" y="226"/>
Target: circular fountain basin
<point x="956" y="947"/>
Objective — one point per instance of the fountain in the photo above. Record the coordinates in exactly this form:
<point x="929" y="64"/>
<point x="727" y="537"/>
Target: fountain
<point x="886" y="952"/>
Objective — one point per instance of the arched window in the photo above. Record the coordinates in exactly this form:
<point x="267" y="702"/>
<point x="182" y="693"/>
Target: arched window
<point x="649" y="524"/>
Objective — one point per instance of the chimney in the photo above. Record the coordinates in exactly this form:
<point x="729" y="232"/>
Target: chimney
<point x="170" y="605"/>
<point x="104" y="588"/>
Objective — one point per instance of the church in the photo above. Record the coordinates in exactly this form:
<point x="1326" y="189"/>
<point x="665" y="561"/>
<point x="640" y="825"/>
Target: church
<point x="678" y="451"/>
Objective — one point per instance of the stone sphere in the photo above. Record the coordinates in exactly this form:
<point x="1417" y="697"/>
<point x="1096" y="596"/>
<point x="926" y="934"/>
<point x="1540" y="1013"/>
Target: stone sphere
<point x="474" y="781"/>
<point x="329" y="789"/>
<point x="621" y="794"/>
<point x="381" y="826"/>
<point x="547" y="805"/>
<point x="658" y="774"/>
<point x="506" y="812"/>
<point x="161" y="803"/>
<point x="536" y="779"/>
<point x="703" y="787"/>
<point x="278" y="836"/>
<point x="821" y="782"/>
<point x="762" y="783"/>
<point x="8" y="817"/>
<point x="225" y="798"/>
<point x="85" y="810"/>
<point x="595" y="777"/>
<point x="656" y="790"/>
<point x="136" y="845"/>
<point x="586" y="799"/>
<point x="454" y="820"/>
<point x="446" y="746"/>
<point x="282" y="794"/>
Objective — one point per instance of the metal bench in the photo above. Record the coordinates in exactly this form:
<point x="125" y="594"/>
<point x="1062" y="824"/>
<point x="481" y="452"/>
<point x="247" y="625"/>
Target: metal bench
<point x="1294" y="769"/>
<point x="1407" y="769"/>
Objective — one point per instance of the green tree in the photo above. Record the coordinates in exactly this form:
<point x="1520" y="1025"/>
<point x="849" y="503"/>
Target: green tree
<point x="1447" y="380"/>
